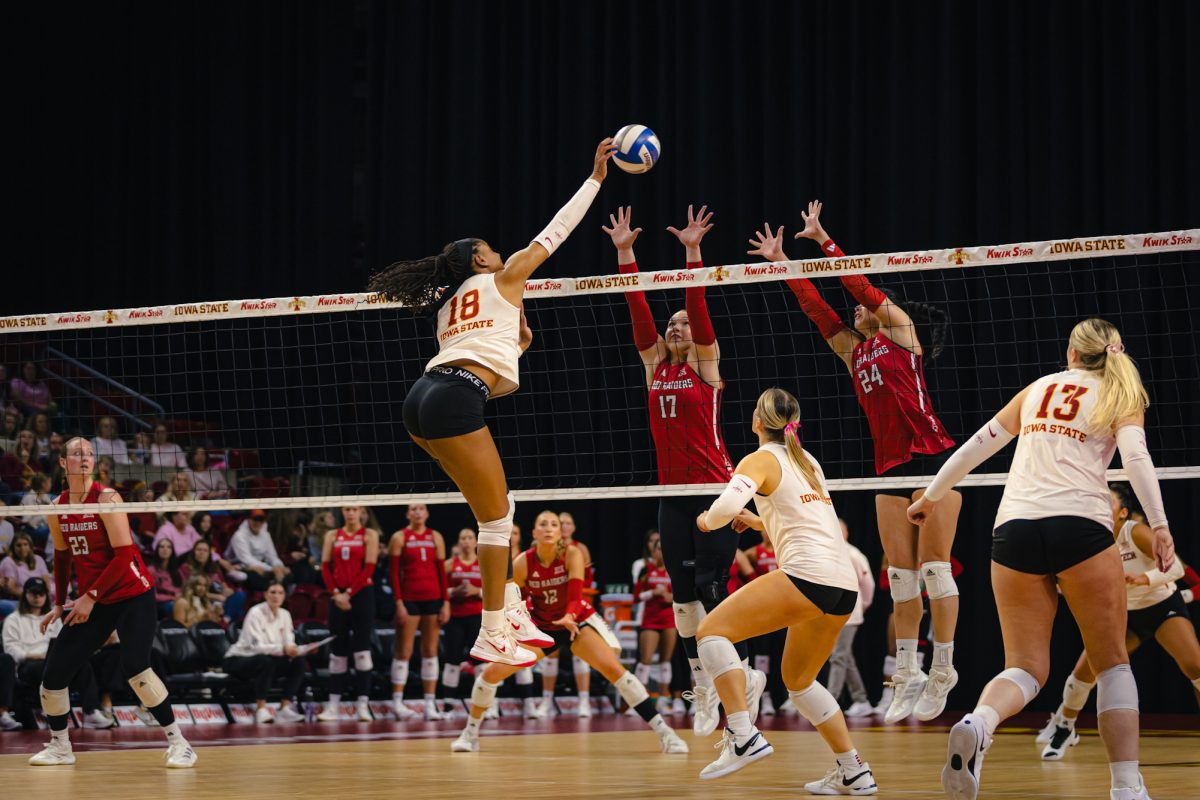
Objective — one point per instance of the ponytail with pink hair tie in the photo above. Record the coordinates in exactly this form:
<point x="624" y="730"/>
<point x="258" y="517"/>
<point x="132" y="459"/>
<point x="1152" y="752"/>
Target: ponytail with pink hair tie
<point x="792" y="428"/>
<point x="1119" y="347"/>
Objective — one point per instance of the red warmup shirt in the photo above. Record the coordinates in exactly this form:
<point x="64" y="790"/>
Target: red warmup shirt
<point x="685" y="421"/>
<point x="657" y="613"/>
<point x="91" y="551"/>
<point x="348" y="555"/>
<point x="420" y="567"/>
<point x="890" y="383"/>
<point x="546" y="585"/>
<point x="461" y="573"/>
<point x="764" y="561"/>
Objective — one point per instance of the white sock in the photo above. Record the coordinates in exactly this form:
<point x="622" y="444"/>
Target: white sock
<point x="889" y="666"/>
<point x="906" y="655"/>
<point x="334" y="699"/>
<point x="60" y="736"/>
<point x="584" y="697"/>
<point x="659" y="725"/>
<point x="849" y="760"/>
<point x="397" y="698"/>
<point x="430" y="698"/>
<point x="739" y="725"/>
<point x="699" y="676"/>
<point x="473" y="725"/>
<point x="1124" y="774"/>
<point x="548" y="694"/>
<point x="493" y="620"/>
<point x="363" y="700"/>
<point x="990" y="718"/>
<point x="1068" y="722"/>
<point x="174" y="735"/>
<point x="943" y="654"/>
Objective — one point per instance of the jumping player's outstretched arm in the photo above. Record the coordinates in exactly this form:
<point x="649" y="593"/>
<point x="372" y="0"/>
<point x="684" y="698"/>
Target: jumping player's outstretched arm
<point x="704" y="338"/>
<point x="650" y="346"/>
<point x="521" y="264"/>
<point x="841" y="340"/>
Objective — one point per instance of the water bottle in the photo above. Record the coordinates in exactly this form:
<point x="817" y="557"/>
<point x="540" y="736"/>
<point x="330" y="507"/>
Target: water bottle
<point x="310" y="708"/>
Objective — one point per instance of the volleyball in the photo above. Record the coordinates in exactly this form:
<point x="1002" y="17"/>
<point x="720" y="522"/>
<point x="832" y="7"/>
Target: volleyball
<point x="637" y="149"/>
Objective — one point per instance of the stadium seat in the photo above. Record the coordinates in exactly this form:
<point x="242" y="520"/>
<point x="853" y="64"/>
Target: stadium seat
<point x="212" y="641"/>
<point x="242" y="459"/>
<point x="182" y="657"/>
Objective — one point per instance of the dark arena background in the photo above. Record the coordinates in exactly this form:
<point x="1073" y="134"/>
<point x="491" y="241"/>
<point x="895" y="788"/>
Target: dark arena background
<point x="202" y="191"/>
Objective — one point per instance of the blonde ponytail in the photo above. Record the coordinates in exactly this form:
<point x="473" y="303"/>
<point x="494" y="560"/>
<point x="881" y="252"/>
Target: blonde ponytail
<point x="779" y="413"/>
<point x="1100" y="349"/>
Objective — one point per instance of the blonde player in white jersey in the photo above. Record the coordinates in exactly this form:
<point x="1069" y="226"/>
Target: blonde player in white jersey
<point x="1054" y="526"/>
<point x="481" y="333"/>
<point x="811" y="594"/>
<point x="1156" y="610"/>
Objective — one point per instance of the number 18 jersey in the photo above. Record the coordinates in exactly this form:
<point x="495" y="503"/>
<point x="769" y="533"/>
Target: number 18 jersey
<point x="477" y="324"/>
<point x="685" y="421"/>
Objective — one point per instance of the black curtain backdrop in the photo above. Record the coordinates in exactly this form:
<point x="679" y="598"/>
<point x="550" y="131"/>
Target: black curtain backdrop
<point x="204" y="151"/>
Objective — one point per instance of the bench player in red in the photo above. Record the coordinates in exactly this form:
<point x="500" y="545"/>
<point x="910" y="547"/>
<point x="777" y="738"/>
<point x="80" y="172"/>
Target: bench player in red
<point x="657" y="631"/>
<point x="466" y="607"/>
<point x="115" y="593"/>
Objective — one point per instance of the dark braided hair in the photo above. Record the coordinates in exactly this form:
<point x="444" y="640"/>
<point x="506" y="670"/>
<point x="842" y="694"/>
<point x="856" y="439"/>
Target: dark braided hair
<point x="421" y="285"/>
<point x="936" y="320"/>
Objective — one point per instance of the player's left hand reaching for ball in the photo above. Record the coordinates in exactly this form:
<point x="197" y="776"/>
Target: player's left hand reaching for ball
<point x="604" y="152"/>
<point x="698" y="225"/>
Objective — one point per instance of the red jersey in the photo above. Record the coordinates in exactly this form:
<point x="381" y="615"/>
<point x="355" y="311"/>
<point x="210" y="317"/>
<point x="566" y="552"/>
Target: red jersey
<point x="736" y="581"/>
<point x="764" y="561"/>
<point x="589" y="574"/>
<point x="461" y="573"/>
<point x="685" y="421"/>
<point x="890" y="383"/>
<point x="546" y="585"/>
<point x="419" y="566"/>
<point x="657" y="613"/>
<point x="91" y="551"/>
<point x="348" y="555"/>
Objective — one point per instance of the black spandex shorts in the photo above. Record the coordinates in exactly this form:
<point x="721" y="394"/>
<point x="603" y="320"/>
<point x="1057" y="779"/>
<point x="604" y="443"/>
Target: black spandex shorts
<point x="922" y="467"/>
<point x="445" y="402"/>
<point x="423" y="608"/>
<point x="1050" y="545"/>
<point x="562" y="641"/>
<point x="1144" y="622"/>
<point x="830" y="599"/>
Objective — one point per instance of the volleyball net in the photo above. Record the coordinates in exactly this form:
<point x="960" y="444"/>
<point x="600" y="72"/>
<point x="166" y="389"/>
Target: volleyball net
<point x="297" y="400"/>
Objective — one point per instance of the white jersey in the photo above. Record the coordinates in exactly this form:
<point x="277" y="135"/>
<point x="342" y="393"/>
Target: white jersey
<point x="1060" y="464"/>
<point x="804" y="527"/>
<point x="477" y="324"/>
<point x="1135" y="563"/>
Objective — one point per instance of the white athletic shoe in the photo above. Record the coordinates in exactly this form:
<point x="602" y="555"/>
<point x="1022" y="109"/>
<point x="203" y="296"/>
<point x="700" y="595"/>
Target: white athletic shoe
<point x="262" y="716"/>
<point x="402" y="712"/>
<point x="933" y="698"/>
<point x="501" y="648"/>
<point x="1139" y="793"/>
<point x="98" y="720"/>
<point x="908" y="687"/>
<point x="57" y="753"/>
<point x="585" y="709"/>
<point x="860" y="709"/>
<point x="8" y="723"/>
<point x="524" y="631"/>
<point x="885" y="699"/>
<point x="362" y="711"/>
<point x="765" y="706"/>
<point x="677" y="707"/>
<point x="671" y="743"/>
<point x="492" y="712"/>
<point x="1062" y="739"/>
<point x="734" y="757"/>
<point x="756" y="683"/>
<point x="288" y="714"/>
<point x="465" y="743"/>
<point x="329" y="714"/>
<point x="840" y="781"/>
<point x="1056" y="721"/>
<point x="788" y="708"/>
<point x="964" y="759"/>
<point x="432" y="712"/>
<point x="534" y="709"/>
<point x="180" y="756"/>
<point x="706" y="705"/>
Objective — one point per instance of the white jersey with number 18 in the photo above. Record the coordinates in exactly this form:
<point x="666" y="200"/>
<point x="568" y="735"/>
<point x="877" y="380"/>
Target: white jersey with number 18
<point x="1060" y="464"/>
<point x="477" y="324"/>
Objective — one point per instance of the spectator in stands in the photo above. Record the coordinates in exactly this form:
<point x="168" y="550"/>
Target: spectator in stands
<point x="18" y="466"/>
<point x="293" y="550"/>
<point x="139" y="453"/>
<point x="164" y="452"/>
<point x="195" y="604"/>
<point x="40" y="425"/>
<point x="52" y="458"/>
<point x="29" y="393"/>
<point x="650" y="542"/>
<point x="10" y="426"/>
<point x="180" y="531"/>
<point x="179" y="490"/>
<point x="21" y="564"/>
<point x="164" y="571"/>
<point x="6" y="530"/>
<point x="203" y="560"/>
<point x="106" y="471"/>
<point x="5" y="400"/>
<point x="38" y="494"/>
<point x="25" y="641"/>
<point x="253" y="550"/>
<point x="208" y="481"/>
<point x="266" y="647"/>
<point x="107" y="443"/>
<point x="323" y="523"/>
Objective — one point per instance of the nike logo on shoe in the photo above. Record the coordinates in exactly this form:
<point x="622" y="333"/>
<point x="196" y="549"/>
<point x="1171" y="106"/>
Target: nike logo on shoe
<point x="848" y="781"/>
<point x="741" y="751"/>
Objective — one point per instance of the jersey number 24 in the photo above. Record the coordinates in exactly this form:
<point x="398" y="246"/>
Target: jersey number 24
<point x="867" y="378"/>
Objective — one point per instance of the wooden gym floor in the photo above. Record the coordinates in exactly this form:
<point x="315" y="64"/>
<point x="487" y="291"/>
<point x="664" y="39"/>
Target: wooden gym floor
<point x="611" y="758"/>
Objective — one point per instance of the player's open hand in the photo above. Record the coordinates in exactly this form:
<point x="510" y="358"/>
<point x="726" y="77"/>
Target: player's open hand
<point x="622" y="237"/>
<point x="81" y="610"/>
<point x="1164" y="548"/>
<point x="604" y="151"/>
<point x="812" y="224"/>
<point x="768" y="245"/>
<point x="919" y="511"/>
<point x="49" y="619"/>
<point x="698" y="225"/>
<point x="568" y="621"/>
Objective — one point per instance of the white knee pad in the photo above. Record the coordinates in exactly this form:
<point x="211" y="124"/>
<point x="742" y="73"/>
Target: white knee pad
<point x="718" y="656"/>
<point x="1116" y="689"/>
<point x="642" y="672"/>
<point x="429" y="669"/>
<point x="1025" y="682"/>
<point x="1075" y="693"/>
<point x="906" y="584"/>
<point x="815" y="703"/>
<point x="149" y="688"/>
<point x="939" y="579"/>
<point x="450" y="675"/>
<point x="483" y="694"/>
<point x="632" y="690"/>
<point x="498" y="532"/>
<point x="525" y="676"/>
<point x="688" y="617"/>
<point x="56" y="702"/>
<point x="363" y="661"/>
<point x="399" y="671"/>
<point x="579" y="666"/>
<point x="549" y="667"/>
<point x="338" y="665"/>
<point x="665" y="674"/>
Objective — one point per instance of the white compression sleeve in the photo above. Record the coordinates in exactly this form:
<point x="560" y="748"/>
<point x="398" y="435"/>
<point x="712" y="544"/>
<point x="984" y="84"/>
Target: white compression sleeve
<point x="986" y="442"/>
<point x="737" y="494"/>
<point x="568" y="216"/>
<point x="1131" y="441"/>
